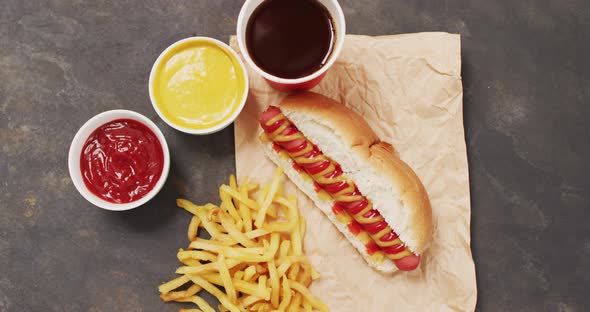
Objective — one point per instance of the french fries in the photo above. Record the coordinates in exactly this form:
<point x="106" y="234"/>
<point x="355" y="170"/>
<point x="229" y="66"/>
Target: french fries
<point x="255" y="252"/>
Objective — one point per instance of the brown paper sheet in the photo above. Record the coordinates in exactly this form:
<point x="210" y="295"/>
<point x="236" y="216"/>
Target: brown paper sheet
<point x="409" y="89"/>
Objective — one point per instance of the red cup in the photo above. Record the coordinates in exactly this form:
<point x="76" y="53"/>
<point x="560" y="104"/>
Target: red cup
<point x="298" y="84"/>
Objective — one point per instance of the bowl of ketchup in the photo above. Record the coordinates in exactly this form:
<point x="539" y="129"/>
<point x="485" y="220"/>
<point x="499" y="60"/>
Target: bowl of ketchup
<point x="119" y="160"/>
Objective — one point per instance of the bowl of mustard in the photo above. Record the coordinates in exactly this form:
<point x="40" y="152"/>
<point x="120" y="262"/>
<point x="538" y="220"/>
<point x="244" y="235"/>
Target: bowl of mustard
<point x="198" y="85"/>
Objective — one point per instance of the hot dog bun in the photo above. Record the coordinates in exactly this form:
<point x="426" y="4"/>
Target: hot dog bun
<point x="373" y="165"/>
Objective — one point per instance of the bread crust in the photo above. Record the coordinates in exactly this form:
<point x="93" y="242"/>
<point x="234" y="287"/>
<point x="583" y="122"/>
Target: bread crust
<point x="413" y="194"/>
<point x="348" y="125"/>
<point x="356" y="133"/>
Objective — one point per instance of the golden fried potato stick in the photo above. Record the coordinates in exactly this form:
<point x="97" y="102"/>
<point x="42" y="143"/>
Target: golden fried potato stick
<point x="305" y="277"/>
<point x="249" y="273"/>
<point x="252" y="289"/>
<point x="196" y="254"/>
<point x="227" y="203"/>
<point x="284" y="248"/>
<point x="213" y="216"/>
<point x="233" y="182"/>
<point x="249" y="300"/>
<point x="234" y="185"/>
<point x="274" y="283"/>
<point x="297" y="234"/>
<point x="217" y="226"/>
<point x="197" y="269"/>
<point x="226" y="240"/>
<point x="250" y="203"/>
<point x="256" y="233"/>
<point x="261" y="269"/>
<point x="190" y="207"/>
<point x="307" y="306"/>
<point x="239" y="275"/>
<point x="286" y="294"/>
<point x="230" y="290"/>
<point x="262" y="194"/>
<point x="304" y="291"/>
<point x="223" y="299"/>
<point x="219" y="247"/>
<point x="173" y="284"/>
<point x="261" y="307"/>
<point x="295" y="303"/>
<point x="221" y="308"/>
<point x="274" y="245"/>
<point x="279" y="226"/>
<point x="292" y="215"/>
<point x="274" y="185"/>
<point x="206" y="268"/>
<point x="255" y="254"/>
<point x="202" y="212"/>
<point x="243" y="210"/>
<point x="193" y="227"/>
<point x="293" y="271"/>
<point x="202" y="304"/>
<point x="190" y="262"/>
<point x="234" y="232"/>
<point x="238" y="268"/>
<point x="251" y="186"/>
<point x="303" y="226"/>
<point x="293" y="259"/>
<point x="289" y="203"/>
<point x="282" y="269"/>
<point x="177" y="295"/>
<point x="262" y="285"/>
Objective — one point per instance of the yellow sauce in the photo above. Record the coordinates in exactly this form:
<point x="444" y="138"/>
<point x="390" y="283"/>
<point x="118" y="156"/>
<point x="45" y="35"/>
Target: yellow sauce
<point x="198" y="85"/>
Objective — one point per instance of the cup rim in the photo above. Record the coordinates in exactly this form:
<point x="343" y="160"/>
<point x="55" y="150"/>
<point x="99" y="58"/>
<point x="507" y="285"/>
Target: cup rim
<point x="78" y="144"/>
<point x="220" y="126"/>
<point x="241" y="24"/>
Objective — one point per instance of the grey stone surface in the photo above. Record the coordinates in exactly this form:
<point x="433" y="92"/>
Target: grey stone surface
<point x="527" y="102"/>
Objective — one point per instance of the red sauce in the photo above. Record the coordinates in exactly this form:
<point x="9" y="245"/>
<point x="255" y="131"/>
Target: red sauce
<point x="296" y="167"/>
<point x="355" y="207"/>
<point x="389" y="237"/>
<point x="121" y="161"/>
<point x="336" y="173"/>
<point x="297" y="148"/>
<point x="275" y="125"/>
<point x="337" y="209"/>
<point x="336" y="187"/>
<point x="371" y="214"/>
<point x="393" y="249"/>
<point x="289" y="130"/>
<point x="317" y="187"/>
<point x="319" y="167"/>
<point x="374" y="228"/>
<point x="313" y="153"/>
<point x="355" y="228"/>
<point x="372" y="247"/>
<point x="276" y="147"/>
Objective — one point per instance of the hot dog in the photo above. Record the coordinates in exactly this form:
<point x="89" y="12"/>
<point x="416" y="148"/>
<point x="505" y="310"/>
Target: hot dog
<point x="371" y="196"/>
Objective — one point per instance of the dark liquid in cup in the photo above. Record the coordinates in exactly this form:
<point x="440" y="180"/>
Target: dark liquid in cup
<point x="290" y="38"/>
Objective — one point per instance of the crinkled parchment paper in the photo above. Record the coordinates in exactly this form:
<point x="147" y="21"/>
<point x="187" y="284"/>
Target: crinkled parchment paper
<point x="408" y="87"/>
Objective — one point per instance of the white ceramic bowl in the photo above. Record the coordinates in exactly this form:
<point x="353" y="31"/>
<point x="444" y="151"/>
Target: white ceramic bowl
<point x="78" y="144"/>
<point x="220" y="126"/>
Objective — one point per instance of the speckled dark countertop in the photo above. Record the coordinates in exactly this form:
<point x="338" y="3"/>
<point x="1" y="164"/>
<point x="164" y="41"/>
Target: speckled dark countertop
<point x="527" y="105"/>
